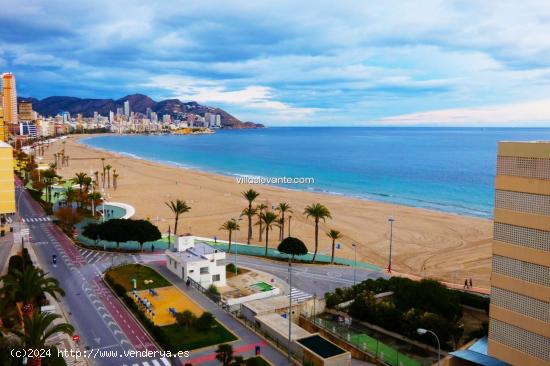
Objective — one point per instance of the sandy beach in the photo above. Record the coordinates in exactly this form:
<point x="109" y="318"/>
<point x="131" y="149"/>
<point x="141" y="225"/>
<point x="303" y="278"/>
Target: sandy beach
<point x="426" y="243"/>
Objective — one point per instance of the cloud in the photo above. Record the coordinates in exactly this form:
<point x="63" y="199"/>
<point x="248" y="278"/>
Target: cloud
<point x="523" y="114"/>
<point x="308" y="62"/>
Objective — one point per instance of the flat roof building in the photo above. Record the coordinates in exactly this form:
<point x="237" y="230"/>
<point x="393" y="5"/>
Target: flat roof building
<point x="7" y="187"/>
<point x="519" y="324"/>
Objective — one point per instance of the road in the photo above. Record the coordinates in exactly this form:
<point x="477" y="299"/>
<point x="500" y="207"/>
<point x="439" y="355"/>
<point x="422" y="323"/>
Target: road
<point x="100" y="319"/>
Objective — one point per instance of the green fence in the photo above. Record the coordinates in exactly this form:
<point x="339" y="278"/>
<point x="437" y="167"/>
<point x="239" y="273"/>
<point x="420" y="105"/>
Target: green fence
<point x="257" y="250"/>
<point x="367" y="343"/>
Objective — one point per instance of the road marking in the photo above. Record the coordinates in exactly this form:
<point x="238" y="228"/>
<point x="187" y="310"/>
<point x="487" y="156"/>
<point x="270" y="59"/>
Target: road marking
<point x="156" y="363"/>
<point x="165" y="361"/>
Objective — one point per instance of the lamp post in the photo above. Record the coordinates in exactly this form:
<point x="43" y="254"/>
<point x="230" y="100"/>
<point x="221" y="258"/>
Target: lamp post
<point x="355" y="264"/>
<point x="390" y="220"/>
<point x="236" y="246"/>
<point x="289" y="307"/>
<point x="422" y="331"/>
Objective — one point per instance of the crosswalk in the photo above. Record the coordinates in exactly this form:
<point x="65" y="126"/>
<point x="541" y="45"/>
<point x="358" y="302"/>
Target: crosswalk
<point x="156" y="362"/>
<point x="98" y="256"/>
<point x="30" y="220"/>
<point x="299" y="295"/>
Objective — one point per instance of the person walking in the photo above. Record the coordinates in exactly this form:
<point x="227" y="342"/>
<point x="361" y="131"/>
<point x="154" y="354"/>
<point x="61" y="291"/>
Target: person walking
<point x="471" y="285"/>
<point x="466" y="284"/>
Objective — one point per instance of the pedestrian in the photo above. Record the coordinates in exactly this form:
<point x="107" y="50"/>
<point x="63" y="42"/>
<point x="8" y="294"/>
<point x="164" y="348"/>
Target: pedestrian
<point x="471" y="285"/>
<point x="152" y="247"/>
<point x="188" y="282"/>
<point x="466" y="283"/>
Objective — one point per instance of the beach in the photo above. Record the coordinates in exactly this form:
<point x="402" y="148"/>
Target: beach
<point x="425" y="243"/>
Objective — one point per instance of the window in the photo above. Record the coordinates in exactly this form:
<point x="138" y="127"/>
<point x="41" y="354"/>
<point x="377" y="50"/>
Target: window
<point x="204" y="270"/>
<point x="215" y="278"/>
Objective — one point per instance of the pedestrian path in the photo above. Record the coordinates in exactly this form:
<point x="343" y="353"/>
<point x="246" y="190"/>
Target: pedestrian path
<point x="299" y="295"/>
<point x="98" y="256"/>
<point x="36" y="219"/>
<point x="155" y="362"/>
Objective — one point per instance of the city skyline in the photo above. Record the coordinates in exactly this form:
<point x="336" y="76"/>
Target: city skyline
<point x="288" y="64"/>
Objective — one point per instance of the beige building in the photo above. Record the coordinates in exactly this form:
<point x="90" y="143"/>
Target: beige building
<point x="25" y="111"/>
<point x="7" y="188"/>
<point x="519" y="327"/>
<point x="9" y="98"/>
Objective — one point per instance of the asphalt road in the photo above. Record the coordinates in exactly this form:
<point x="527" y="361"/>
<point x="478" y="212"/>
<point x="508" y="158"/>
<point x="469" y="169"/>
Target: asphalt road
<point x="101" y="321"/>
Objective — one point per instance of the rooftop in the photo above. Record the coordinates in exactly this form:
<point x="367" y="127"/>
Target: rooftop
<point x="268" y="305"/>
<point x="195" y="254"/>
<point x="321" y="346"/>
<point x="280" y="325"/>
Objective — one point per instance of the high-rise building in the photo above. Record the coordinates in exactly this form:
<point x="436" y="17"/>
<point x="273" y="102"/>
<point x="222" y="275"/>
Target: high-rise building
<point x="9" y="98"/>
<point x="25" y="111"/>
<point x="7" y="188"/>
<point x="3" y="129"/>
<point x="519" y="325"/>
<point x="127" y="108"/>
<point x="27" y="128"/>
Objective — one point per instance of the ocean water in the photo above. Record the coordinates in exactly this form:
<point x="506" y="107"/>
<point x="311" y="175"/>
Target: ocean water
<point x="445" y="169"/>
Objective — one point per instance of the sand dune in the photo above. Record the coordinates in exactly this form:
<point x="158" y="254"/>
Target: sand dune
<point x="426" y="243"/>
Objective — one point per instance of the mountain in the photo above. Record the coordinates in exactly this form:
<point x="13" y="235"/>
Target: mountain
<point x="139" y="103"/>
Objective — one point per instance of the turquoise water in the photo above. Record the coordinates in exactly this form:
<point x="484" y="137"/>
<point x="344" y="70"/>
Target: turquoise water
<point x="446" y="169"/>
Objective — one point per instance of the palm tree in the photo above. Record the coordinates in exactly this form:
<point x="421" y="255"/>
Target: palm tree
<point x="96" y="174"/>
<point x="70" y="195"/>
<point x="334" y="235"/>
<point x="259" y="210"/>
<point x="178" y="208"/>
<point x="224" y="354"/>
<point x="280" y="223"/>
<point x="80" y="179"/>
<point x="49" y="176"/>
<point x="282" y="208"/>
<point x="38" y="329"/>
<point x="29" y="285"/>
<point x="318" y="212"/>
<point x="249" y="212"/>
<point x="115" y="179"/>
<point x="250" y="196"/>
<point x="230" y="226"/>
<point x="103" y="174"/>
<point x="96" y="199"/>
<point x="268" y="219"/>
<point x="108" y="168"/>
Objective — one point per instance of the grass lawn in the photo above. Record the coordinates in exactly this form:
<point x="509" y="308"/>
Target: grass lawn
<point x="181" y="339"/>
<point x="124" y="274"/>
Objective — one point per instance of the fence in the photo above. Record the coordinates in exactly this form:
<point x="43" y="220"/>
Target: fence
<point x="357" y="338"/>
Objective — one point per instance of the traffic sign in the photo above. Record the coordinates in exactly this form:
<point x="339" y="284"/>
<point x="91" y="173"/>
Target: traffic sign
<point x="76" y="338"/>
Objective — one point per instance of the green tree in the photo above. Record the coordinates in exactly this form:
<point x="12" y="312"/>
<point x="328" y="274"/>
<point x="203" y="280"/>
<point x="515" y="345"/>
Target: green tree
<point x="224" y="354"/>
<point x="186" y="319"/>
<point x="48" y="177"/>
<point x="178" y="207"/>
<point x="38" y="329"/>
<point x="69" y="195"/>
<point x="205" y="322"/>
<point x="30" y="285"/>
<point x="292" y="246"/>
<point x="318" y="212"/>
<point x="283" y="207"/>
<point x="268" y="219"/>
<point x="92" y="231"/>
<point x="80" y="179"/>
<point x="259" y="211"/>
<point x="333" y="235"/>
<point x="144" y="231"/>
<point x="230" y="226"/>
<point x="250" y="195"/>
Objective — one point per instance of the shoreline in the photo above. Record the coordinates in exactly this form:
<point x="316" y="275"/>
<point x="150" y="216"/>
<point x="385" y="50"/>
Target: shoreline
<point x="369" y="196"/>
<point x="427" y="243"/>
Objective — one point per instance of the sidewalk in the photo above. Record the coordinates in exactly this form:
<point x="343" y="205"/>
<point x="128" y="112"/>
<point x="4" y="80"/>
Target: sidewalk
<point x="247" y="341"/>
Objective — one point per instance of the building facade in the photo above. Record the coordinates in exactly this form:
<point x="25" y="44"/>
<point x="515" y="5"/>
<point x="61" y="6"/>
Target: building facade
<point x="4" y="132"/>
<point x="7" y="188"/>
<point x="519" y="326"/>
<point x="190" y="258"/>
<point x="9" y="98"/>
<point x="25" y="111"/>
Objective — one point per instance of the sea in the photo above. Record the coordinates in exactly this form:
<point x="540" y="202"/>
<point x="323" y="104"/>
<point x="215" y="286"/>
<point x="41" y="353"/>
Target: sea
<point x="443" y="169"/>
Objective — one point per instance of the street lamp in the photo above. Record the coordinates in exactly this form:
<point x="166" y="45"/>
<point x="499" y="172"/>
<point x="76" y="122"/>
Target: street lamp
<point x="236" y="246"/>
<point x="390" y="220"/>
<point x="422" y="331"/>
<point x="355" y="265"/>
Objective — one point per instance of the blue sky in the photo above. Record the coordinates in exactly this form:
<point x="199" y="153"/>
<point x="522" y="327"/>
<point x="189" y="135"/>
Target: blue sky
<point x="474" y="63"/>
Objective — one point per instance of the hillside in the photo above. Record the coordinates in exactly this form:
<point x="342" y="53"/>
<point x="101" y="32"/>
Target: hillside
<point x="139" y="103"/>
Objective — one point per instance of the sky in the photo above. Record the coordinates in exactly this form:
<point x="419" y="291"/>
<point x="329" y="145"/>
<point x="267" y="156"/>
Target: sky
<point x="293" y="63"/>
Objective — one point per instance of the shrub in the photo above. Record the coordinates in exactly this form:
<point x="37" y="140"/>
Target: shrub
<point x="205" y="321"/>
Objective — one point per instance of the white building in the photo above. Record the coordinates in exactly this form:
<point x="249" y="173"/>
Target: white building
<point x="194" y="259"/>
<point x="127" y="108"/>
